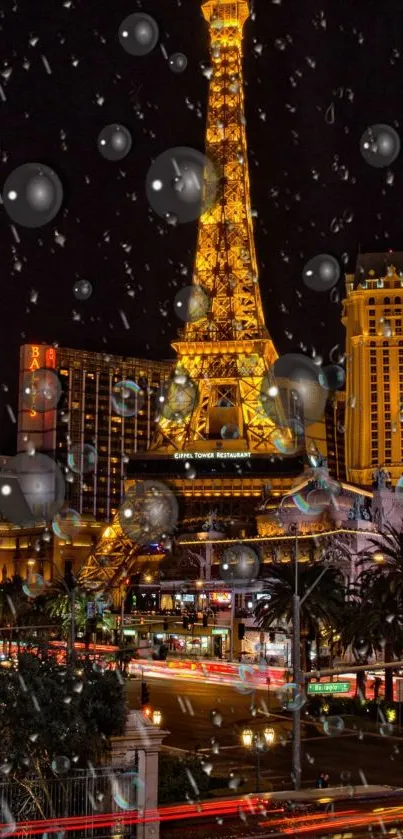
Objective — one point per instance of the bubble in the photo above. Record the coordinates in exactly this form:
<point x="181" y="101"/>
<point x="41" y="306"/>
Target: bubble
<point x="380" y="145"/>
<point x="177" y="62"/>
<point x="298" y="699"/>
<point x="127" y="398"/>
<point x="192" y="303"/>
<point x="124" y="790"/>
<point x="239" y="563"/>
<point x="114" y="142"/>
<point x="41" y="390"/>
<point x="345" y="776"/>
<point x="41" y="482"/>
<point x="247" y="685"/>
<point x="230" y="431"/>
<point x="332" y="377"/>
<point x="60" y="764"/>
<point x="289" y="439"/>
<point x="332" y="726"/>
<point x="216" y="718"/>
<point x="302" y="374"/>
<point x="66" y="524"/>
<point x="178" y="397"/>
<point x="138" y="34"/>
<point x="386" y="729"/>
<point x="32" y="195"/>
<point x="321" y="273"/>
<point x="82" y="459"/>
<point x="34" y="585"/>
<point x="148" y="512"/>
<point x="82" y="289"/>
<point x="181" y="184"/>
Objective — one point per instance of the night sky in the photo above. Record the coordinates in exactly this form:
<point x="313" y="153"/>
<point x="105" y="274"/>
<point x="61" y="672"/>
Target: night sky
<point x="312" y="190"/>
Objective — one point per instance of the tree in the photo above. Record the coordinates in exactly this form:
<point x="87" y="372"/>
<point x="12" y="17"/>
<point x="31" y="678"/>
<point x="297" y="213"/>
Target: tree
<point x="380" y="584"/>
<point x="319" y="610"/>
<point x="48" y="712"/>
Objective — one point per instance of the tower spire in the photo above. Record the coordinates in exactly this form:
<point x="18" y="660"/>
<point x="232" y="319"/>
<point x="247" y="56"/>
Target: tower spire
<point x="228" y="352"/>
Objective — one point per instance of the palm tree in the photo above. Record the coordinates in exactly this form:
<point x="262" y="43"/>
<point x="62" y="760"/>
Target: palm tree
<point x="380" y="603"/>
<point x="319" y="609"/>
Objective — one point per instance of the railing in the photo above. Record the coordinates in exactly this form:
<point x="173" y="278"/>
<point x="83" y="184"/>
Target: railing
<point x="86" y="793"/>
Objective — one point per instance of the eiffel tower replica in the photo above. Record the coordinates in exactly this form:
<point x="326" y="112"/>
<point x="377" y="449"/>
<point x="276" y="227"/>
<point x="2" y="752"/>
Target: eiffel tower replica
<point x="228" y="440"/>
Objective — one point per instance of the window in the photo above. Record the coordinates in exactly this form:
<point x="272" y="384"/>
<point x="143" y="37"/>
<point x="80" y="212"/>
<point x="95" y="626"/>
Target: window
<point x="386" y="301"/>
<point x="371" y="301"/>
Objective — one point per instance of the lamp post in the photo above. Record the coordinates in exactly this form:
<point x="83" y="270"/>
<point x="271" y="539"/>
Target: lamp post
<point x="258" y="742"/>
<point x="157" y="717"/>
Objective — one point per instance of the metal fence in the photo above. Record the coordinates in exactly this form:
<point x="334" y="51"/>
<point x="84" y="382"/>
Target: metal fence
<point x="87" y="793"/>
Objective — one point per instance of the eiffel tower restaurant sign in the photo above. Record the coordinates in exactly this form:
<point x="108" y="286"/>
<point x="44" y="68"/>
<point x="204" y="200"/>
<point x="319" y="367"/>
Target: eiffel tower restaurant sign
<point x="211" y="455"/>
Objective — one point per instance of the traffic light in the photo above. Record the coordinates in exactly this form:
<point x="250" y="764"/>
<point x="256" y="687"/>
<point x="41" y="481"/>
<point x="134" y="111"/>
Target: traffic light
<point x="185" y="622"/>
<point x="145" y="694"/>
<point x="205" y="621"/>
<point x="241" y="631"/>
<point x="166" y="625"/>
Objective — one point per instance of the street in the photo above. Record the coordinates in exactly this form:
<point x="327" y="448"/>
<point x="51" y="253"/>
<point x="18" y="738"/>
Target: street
<point x="187" y="708"/>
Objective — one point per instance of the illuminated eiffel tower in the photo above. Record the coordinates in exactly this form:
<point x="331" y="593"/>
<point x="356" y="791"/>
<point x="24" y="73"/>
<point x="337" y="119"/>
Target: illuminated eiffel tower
<point x="225" y="356"/>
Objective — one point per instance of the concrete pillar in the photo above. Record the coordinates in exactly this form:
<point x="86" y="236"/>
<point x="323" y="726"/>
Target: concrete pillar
<point x="142" y="741"/>
<point x="147" y="798"/>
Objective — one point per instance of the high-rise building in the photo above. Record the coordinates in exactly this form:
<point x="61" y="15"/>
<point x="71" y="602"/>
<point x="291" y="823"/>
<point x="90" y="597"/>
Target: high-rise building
<point x="85" y="419"/>
<point x="373" y="317"/>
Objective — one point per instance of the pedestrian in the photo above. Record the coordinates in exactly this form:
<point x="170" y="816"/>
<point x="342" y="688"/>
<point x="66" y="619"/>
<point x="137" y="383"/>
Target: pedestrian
<point x="320" y="781"/>
<point x="325" y="780"/>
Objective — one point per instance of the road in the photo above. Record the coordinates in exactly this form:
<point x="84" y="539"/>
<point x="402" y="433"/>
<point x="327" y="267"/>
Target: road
<point x="187" y="708"/>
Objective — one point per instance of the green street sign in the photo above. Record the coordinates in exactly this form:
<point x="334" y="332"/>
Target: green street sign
<point x="220" y="631"/>
<point x="328" y="687"/>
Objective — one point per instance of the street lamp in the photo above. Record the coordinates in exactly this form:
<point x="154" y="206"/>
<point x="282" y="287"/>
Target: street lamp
<point x="157" y="718"/>
<point x="258" y="742"/>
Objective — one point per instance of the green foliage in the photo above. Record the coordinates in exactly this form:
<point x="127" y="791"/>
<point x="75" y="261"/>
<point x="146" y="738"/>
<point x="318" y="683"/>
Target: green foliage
<point x="48" y="711"/>
<point x="174" y="782"/>
<point x="347" y="706"/>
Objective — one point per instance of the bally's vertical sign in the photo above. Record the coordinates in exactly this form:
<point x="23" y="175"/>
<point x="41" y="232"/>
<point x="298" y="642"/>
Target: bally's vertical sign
<point x="35" y="424"/>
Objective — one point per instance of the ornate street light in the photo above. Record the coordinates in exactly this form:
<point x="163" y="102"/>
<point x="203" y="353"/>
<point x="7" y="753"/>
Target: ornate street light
<point x="157" y="718"/>
<point x="258" y="744"/>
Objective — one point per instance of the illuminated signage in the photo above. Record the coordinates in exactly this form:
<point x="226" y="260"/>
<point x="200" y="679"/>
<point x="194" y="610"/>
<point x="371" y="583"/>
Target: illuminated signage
<point x="221" y="597"/>
<point x="39" y="357"/>
<point x="34" y="364"/>
<point x="211" y="455"/>
<point x="329" y="687"/>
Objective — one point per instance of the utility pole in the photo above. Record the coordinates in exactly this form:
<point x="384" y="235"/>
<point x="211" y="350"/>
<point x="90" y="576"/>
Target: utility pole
<point x="72" y="595"/>
<point x="296" y="656"/>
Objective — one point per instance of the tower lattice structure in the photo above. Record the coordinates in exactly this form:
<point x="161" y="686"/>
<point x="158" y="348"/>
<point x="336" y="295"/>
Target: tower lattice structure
<point x="228" y="353"/>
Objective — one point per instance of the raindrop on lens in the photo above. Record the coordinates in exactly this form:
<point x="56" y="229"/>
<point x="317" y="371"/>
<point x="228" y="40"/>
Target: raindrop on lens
<point x="66" y="524"/>
<point x="32" y="195"/>
<point x="192" y="303"/>
<point x="230" y="431"/>
<point x="127" y="398"/>
<point x="82" y="290"/>
<point x="332" y="377"/>
<point x="60" y="764"/>
<point x="138" y="34"/>
<point x="380" y="145"/>
<point x="177" y="62"/>
<point x="114" y="142"/>
<point x="239" y="563"/>
<point x="41" y="390"/>
<point x="332" y="726"/>
<point x="181" y="184"/>
<point x="34" y="586"/>
<point x="82" y="460"/>
<point x="321" y="273"/>
<point x="216" y="718"/>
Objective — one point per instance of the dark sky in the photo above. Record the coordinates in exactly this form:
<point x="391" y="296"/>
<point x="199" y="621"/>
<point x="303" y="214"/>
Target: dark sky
<point x="312" y="190"/>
